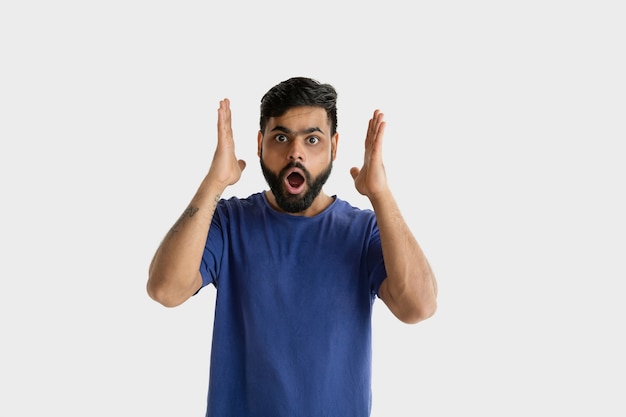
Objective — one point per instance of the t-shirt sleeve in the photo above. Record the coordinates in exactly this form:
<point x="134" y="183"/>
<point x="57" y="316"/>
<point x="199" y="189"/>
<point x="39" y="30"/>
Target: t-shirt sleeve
<point x="213" y="250"/>
<point x="376" y="263"/>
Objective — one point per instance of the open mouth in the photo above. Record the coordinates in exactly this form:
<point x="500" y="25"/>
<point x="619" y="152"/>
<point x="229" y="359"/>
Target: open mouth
<point x="294" y="182"/>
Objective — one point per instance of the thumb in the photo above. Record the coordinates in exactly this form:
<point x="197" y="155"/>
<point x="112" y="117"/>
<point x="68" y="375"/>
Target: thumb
<point x="354" y="171"/>
<point x="242" y="164"/>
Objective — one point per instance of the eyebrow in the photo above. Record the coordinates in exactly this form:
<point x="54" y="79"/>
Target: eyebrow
<point x="303" y="132"/>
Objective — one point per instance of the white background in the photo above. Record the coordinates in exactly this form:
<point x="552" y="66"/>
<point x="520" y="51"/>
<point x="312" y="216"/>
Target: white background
<point x="504" y="147"/>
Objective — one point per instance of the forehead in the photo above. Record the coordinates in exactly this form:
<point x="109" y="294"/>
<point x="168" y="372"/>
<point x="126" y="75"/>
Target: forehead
<point x="301" y="118"/>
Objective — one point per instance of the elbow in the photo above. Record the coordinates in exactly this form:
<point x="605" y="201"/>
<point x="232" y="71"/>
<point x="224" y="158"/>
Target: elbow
<point x="163" y="298"/>
<point x="409" y="305"/>
<point x="162" y="294"/>
<point x="417" y="313"/>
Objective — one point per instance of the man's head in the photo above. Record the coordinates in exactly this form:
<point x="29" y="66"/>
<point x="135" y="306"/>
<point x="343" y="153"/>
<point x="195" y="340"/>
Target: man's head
<point x="297" y="142"/>
<point x="296" y="92"/>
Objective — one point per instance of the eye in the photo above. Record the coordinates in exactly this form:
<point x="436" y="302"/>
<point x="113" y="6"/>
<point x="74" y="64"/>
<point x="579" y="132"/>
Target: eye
<point x="281" y="138"/>
<point x="312" y="140"/>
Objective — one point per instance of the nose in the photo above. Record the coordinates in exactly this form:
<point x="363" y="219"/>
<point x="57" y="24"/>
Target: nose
<point x="296" y="151"/>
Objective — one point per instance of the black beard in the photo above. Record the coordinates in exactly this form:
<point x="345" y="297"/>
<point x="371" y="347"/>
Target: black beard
<point x="289" y="202"/>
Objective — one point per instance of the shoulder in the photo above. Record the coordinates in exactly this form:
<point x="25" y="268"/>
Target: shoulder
<point x="237" y="208"/>
<point x="345" y="207"/>
<point x="342" y="209"/>
<point x="233" y="202"/>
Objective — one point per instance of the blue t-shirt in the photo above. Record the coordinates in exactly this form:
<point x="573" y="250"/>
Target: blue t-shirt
<point x="292" y="326"/>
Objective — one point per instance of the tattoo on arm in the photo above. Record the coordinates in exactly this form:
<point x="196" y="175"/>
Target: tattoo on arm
<point x="187" y="214"/>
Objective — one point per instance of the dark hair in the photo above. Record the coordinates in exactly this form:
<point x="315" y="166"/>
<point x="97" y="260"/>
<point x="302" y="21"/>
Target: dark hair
<point x="299" y="91"/>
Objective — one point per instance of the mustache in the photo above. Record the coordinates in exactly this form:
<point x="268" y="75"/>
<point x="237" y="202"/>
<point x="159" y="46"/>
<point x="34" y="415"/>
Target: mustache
<point x="294" y="165"/>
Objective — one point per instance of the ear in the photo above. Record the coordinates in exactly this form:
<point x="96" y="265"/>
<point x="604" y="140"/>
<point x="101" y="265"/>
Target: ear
<point x="333" y="145"/>
<point x="259" y="140"/>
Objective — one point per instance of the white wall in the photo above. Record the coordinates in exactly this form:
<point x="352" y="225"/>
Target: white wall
<point x="504" y="147"/>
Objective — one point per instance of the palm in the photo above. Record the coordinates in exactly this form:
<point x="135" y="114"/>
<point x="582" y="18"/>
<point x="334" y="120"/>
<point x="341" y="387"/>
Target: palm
<point x="226" y="168"/>
<point x="371" y="179"/>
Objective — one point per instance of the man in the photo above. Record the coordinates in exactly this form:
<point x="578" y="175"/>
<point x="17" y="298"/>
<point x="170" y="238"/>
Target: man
<point x="296" y="270"/>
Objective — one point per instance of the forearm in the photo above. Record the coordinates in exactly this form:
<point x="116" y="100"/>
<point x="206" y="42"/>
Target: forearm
<point x="174" y="274"/>
<point x="410" y="289"/>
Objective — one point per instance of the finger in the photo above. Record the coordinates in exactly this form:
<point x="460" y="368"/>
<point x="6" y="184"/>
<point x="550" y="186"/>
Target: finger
<point x="225" y="107"/>
<point x="221" y="114"/>
<point x="354" y="171"/>
<point x="375" y="149"/>
<point x="378" y="141"/>
<point x="375" y="121"/>
<point x="371" y="129"/>
<point x="224" y="128"/>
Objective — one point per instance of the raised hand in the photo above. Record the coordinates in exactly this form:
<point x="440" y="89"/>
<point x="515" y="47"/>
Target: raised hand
<point x="225" y="168"/>
<point x="371" y="179"/>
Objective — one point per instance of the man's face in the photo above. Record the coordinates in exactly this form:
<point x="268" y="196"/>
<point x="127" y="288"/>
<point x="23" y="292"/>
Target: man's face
<point x="296" y="153"/>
